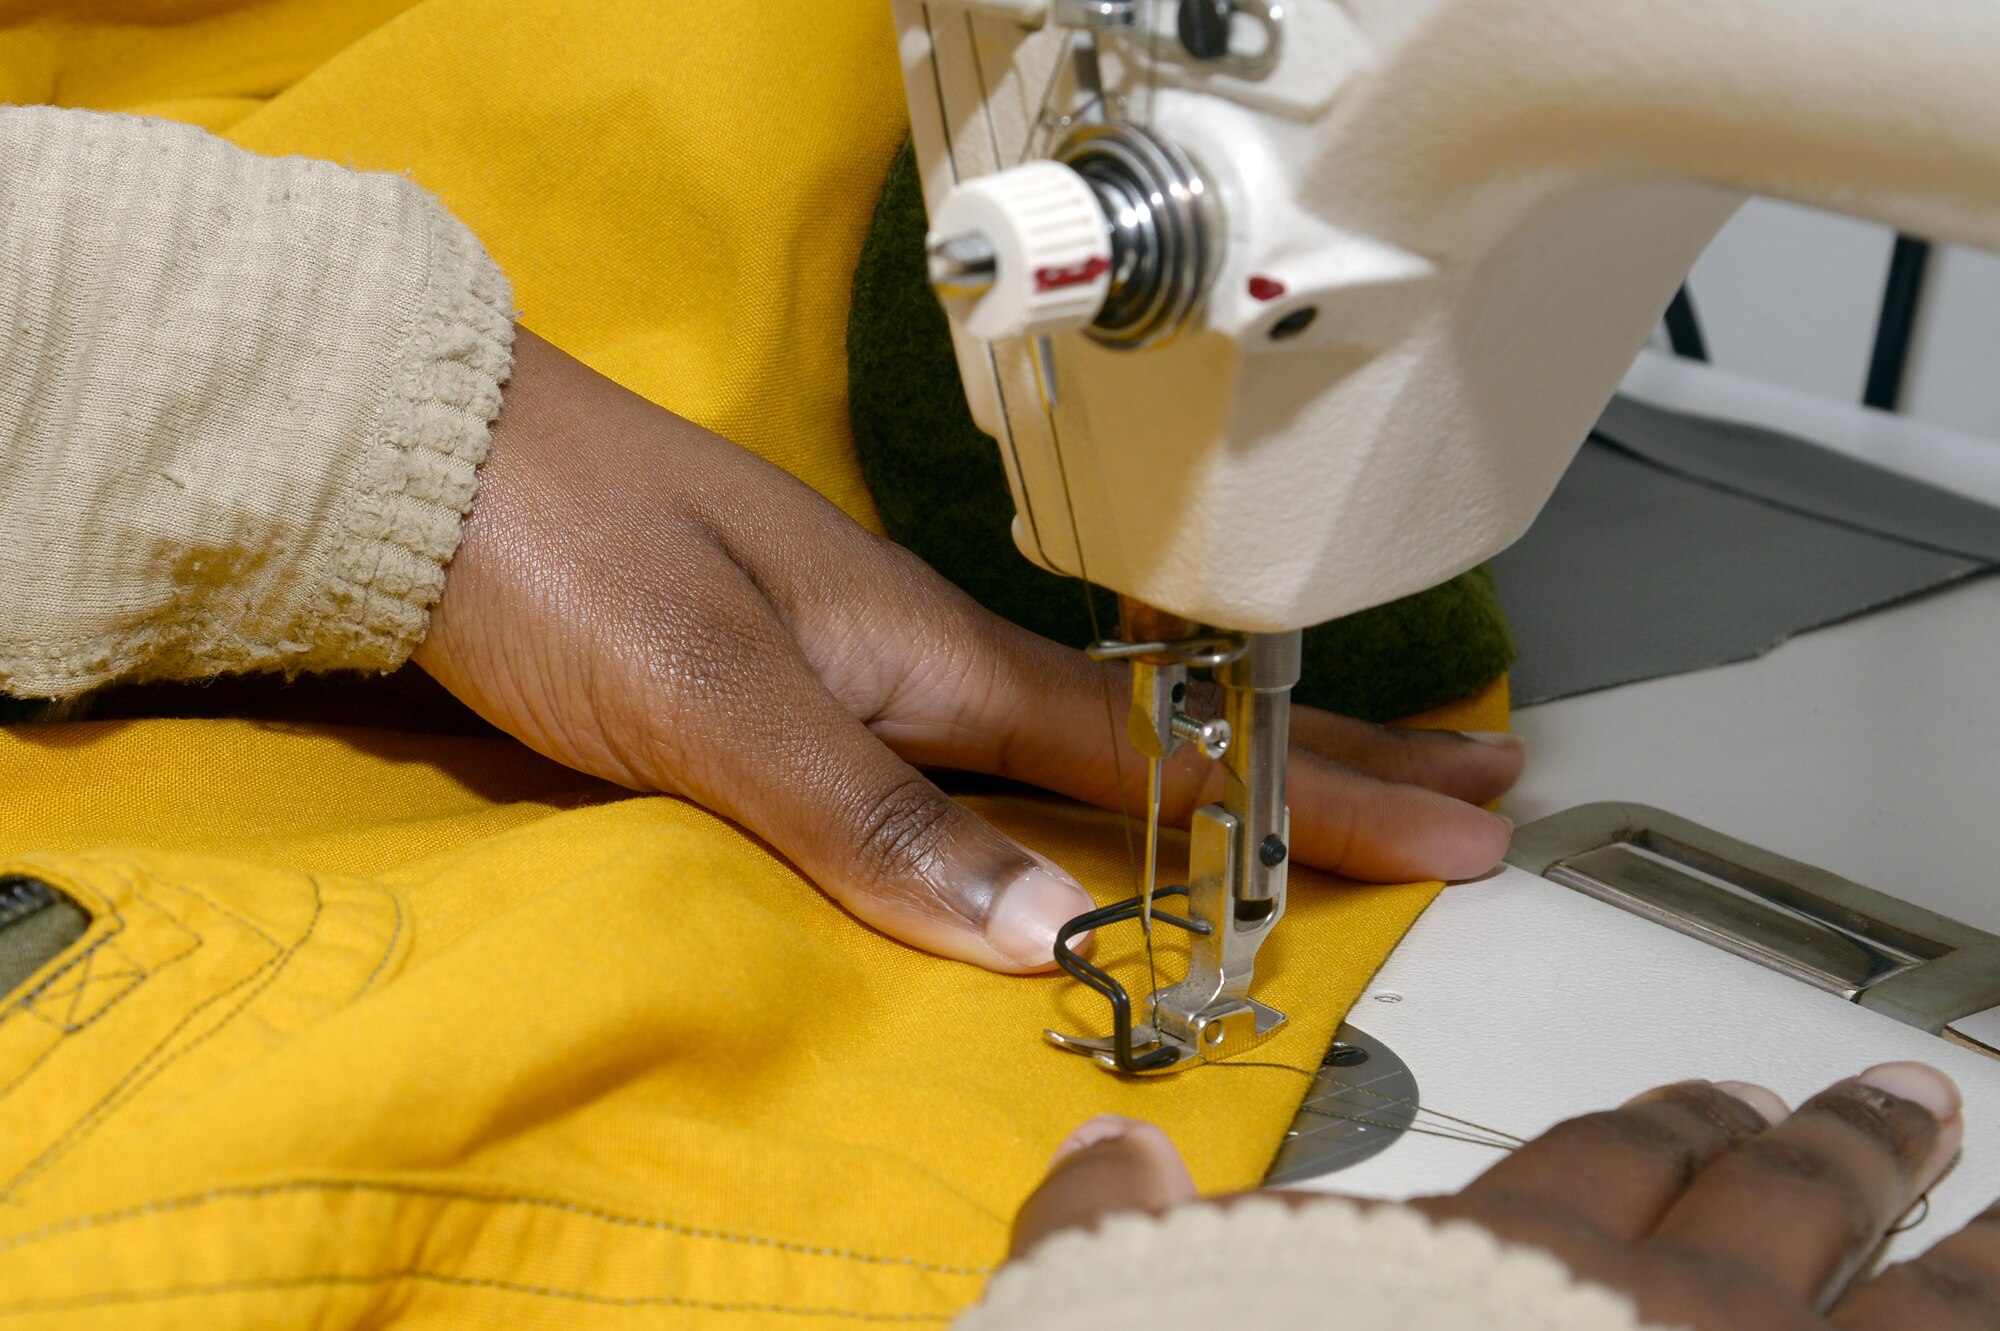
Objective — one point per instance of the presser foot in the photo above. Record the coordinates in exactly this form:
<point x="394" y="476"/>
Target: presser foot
<point x="1179" y="1035"/>
<point x="1237" y="848"/>
<point x="1219" y="1032"/>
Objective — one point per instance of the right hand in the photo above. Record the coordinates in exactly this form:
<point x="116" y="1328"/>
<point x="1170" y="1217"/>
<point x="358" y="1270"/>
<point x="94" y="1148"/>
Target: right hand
<point x="1711" y="1205"/>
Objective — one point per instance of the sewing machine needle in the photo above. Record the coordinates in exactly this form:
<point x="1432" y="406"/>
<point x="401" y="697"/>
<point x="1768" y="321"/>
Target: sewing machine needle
<point x="1152" y="875"/>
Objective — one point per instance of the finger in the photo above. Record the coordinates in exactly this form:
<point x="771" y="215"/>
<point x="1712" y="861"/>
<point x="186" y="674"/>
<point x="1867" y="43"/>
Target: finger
<point x="1038" y="716"/>
<point x="1474" y="766"/>
<point x="727" y="710"/>
<point x="1382" y="832"/>
<point x="1045" y="708"/>
<point x="947" y="684"/>
<point x="1109" y="1165"/>
<point x="1798" y="1207"/>
<point x="1953" y="1287"/>
<point x="954" y="685"/>
<point x="878" y="836"/>
<point x="1614" y="1174"/>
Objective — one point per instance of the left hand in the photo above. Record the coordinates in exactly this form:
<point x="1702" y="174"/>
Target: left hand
<point x="1709" y="1204"/>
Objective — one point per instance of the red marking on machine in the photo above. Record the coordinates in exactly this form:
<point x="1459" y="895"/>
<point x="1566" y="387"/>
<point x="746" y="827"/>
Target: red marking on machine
<point x="1266" y="288"/>
<point x="1075" y="275"/>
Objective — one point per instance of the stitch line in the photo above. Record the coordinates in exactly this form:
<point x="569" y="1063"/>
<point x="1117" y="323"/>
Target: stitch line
<point x="118" y="917"/>
<point x="76" y="991"/>
<point x="94" y="976"/>
<point x="129" y="876"/>
<point x="257" y="1191"/>
<point x="19" y="1003"/>
<point x="395" y="936"/>
<point x="61" y="1038"/>
<point x="205" y="899"/>
<point x="278" y="1283"/>
<point x="89" y="985"/>
<point x="104" y="1108"/>
<point x="28" y="997"/>
<point x="141" y="1074"/>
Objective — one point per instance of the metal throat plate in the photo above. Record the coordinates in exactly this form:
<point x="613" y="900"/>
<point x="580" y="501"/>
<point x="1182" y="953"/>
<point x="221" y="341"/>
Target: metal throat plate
<point x="1363" y="1100"/>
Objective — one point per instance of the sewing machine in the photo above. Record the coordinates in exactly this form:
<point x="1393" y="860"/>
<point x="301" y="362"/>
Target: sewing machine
<point x="1280" y="311"/>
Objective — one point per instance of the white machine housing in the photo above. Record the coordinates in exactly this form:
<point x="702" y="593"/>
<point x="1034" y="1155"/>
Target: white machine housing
<point x="1486" y="205"/>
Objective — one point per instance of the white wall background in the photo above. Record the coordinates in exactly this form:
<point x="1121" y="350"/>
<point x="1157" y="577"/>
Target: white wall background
<point x="1791" y="295"/>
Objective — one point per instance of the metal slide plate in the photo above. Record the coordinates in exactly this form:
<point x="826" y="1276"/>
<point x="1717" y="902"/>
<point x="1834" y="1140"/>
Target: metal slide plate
<point x="1871" y="948"/>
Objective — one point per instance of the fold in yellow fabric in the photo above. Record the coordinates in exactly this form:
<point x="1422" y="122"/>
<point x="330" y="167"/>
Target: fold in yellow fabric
<point x="373" y="1028"/>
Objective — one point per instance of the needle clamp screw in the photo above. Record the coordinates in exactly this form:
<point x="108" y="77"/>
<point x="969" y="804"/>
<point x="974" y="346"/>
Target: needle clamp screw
<point x="1211" y="736"/>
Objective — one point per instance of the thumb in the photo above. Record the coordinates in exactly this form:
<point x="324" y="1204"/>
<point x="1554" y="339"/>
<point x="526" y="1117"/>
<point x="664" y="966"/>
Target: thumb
<point x="873" y="833"/>
<point x="911" y="861"/>
<point x="1110" y="1164"/>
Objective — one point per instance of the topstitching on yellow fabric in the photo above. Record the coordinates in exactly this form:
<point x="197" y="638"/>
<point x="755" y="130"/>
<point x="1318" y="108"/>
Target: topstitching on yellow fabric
<point x="516" y="1048"/>
<point x="623" y="1051"/>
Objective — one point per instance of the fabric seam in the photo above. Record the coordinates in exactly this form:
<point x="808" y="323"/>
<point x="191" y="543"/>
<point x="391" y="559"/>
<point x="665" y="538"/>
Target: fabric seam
<point x="145" y="1070"/>
<point x="256" y="1191"/>
<point x="459" y="1282"/>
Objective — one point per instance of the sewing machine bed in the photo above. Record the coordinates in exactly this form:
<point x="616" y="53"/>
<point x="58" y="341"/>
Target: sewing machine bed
<point x="1867" y="749"/>
<point x="1518" y="1003"/>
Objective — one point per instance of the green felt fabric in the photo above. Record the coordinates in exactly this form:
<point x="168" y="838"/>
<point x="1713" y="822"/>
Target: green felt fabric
<point x="939" y="485"/>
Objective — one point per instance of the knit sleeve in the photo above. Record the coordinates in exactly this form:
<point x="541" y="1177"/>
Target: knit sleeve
<point x="242" y="401"/>
<point x="1276" y="1267"/>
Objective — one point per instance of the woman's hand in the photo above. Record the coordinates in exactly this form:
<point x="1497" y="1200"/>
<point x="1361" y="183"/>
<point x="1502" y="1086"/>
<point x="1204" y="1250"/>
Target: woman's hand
<point x="1709" y="1204"/>
<point x="649" y="603"/>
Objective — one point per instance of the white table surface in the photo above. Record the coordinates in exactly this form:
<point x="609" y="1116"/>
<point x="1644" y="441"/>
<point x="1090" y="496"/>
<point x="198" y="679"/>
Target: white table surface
<point x="1519" y="1003"/>
<point x="1871" y="748"/>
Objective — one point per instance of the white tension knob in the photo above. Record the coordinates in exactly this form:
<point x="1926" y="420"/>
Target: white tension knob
<point x="1021" y="252"/>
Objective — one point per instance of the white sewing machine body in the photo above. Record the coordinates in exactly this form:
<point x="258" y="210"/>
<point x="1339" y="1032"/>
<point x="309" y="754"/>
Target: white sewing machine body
<point x="1485" y="205"/>
<point x="1437" y="233"/>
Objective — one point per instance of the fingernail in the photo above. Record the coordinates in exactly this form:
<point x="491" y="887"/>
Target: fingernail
<point x="1919" y="1083"/>
<point x="1093" y="1132"/>
<point x="1031" y="911"/>
<point x="1499" y="739"/>
<point x="1655" y="1092"/>
<point x="1766" y="1102"/>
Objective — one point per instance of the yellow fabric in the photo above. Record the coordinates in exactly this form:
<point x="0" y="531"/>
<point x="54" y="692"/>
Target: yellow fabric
<point x="678" y="191"/>
<point x="375" y="1028"/>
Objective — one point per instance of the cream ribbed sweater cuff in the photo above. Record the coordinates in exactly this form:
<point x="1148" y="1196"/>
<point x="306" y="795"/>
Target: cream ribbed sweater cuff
<point x="242" y="401"/>
<point x="1275" y="1267"/>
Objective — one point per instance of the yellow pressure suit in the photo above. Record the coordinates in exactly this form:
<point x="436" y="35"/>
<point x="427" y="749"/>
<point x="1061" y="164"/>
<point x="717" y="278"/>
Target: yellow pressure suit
<point x="378" y="1028"/>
